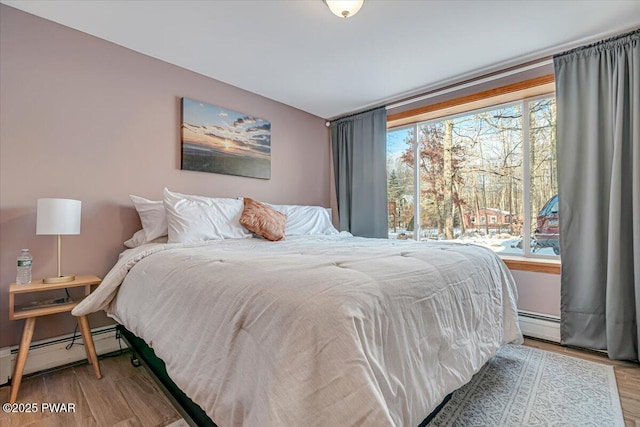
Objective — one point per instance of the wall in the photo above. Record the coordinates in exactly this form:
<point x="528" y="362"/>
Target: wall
<point x="516" y="77"/>
<point x="86" y="119"/>
<point x="538" y="292"/>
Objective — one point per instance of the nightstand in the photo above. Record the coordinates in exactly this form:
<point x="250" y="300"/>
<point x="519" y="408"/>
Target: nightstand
<point x="30" y="312"/>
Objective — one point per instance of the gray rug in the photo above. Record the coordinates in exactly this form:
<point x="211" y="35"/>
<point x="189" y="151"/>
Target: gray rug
<point x="523" y="386"/>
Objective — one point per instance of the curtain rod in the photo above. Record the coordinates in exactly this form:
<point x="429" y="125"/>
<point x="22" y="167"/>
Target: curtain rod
<point x="598" y="43"/>
<point x="328" y="122"/>
<point x="470" y="84"/>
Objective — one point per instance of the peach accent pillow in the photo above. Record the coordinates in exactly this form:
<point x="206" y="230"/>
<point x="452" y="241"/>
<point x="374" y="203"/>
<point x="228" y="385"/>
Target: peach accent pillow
<point x="262" y="220"/>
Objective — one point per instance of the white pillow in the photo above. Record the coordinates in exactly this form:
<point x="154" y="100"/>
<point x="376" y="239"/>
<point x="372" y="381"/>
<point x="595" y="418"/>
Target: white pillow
<point x="140" y="238"/>
<point x="198" y="218"/>
<point x="306" y="220"/>
<point x="152" y="217"/>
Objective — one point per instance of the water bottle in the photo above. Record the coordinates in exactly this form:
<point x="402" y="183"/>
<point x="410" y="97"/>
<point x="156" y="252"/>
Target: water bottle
<point x="24" y="267"/>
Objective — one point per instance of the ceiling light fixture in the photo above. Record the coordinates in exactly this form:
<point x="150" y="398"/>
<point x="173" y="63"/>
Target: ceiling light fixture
<point x="344" y="8"/>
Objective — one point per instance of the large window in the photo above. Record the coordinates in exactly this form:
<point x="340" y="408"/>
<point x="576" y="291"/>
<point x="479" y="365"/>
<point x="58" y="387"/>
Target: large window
<point x="486" y="177"/>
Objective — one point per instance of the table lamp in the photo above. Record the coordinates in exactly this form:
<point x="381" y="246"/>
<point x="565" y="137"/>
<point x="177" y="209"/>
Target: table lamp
<point x="57" y="217"/>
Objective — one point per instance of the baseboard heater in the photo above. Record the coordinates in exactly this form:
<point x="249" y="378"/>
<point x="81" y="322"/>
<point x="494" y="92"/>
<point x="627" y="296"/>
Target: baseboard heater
<point x="77" y="337"/>
<point x="52" y="353"/>
<point x="540" y="326"/>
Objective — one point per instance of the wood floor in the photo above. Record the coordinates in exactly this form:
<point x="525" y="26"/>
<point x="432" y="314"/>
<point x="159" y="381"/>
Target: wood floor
<point x="127" y="396"/>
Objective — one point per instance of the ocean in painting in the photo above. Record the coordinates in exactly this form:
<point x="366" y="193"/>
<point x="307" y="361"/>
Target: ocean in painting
<point x="218" y="140"/>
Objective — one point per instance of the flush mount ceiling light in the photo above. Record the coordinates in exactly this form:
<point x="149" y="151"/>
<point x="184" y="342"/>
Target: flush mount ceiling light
<point x="344" y="8"/>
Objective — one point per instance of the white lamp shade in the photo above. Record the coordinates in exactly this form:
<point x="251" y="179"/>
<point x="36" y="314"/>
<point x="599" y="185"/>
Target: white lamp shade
<point x="344" y="8"/>
<point x="58" y="216"/>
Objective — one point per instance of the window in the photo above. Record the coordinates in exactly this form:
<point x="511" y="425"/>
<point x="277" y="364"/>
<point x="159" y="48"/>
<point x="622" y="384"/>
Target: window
<point x="486" y="176"/>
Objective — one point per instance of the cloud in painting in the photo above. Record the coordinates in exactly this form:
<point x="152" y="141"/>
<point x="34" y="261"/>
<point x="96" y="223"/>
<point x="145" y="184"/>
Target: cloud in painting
<point x="262" y="127"/>
<point x="225" y="131"/>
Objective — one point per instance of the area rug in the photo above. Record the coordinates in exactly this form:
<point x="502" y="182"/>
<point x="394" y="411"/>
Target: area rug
<point x="523" y="386"/>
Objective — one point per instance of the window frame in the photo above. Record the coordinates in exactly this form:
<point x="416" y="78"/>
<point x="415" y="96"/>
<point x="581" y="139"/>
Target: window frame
<point x="538" y="262"/>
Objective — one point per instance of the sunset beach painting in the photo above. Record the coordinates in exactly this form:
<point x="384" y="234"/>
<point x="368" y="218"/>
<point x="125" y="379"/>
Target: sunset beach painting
<point x="218" y="140"/>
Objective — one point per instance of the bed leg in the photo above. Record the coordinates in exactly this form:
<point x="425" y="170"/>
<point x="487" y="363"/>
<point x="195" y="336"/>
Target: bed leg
<point x="134" y="360"/>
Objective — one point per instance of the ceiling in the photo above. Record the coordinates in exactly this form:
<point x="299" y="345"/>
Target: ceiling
<point x="299" y="53"/>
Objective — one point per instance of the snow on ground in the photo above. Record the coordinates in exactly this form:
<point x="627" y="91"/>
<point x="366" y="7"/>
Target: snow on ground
<point x="503" y="244"/>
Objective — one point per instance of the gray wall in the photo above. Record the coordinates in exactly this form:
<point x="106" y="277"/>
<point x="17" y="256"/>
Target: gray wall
<point x="83" y="118"/>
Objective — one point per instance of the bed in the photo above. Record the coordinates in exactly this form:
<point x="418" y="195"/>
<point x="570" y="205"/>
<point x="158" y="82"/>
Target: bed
<point x="314" y="330"/>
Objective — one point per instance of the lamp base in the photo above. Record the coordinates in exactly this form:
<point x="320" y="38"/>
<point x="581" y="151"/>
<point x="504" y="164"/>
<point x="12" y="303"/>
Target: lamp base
<point x="59" y="279"/>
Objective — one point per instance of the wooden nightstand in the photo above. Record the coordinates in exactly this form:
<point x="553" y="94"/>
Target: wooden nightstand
<point x="32" y="311"/>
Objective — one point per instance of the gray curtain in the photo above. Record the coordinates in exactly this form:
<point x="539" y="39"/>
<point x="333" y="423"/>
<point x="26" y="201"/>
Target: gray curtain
<point x="598" y="147"/>
<point x="359" y="163"/>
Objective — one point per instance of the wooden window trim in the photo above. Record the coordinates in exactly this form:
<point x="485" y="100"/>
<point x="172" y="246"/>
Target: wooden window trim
<point x="538" y="266"/>
<point x="508" y="93"/>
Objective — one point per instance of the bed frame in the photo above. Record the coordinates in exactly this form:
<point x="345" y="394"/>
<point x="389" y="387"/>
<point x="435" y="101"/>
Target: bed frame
<point x="190" y="411"/>
<point x="143" y="354"/>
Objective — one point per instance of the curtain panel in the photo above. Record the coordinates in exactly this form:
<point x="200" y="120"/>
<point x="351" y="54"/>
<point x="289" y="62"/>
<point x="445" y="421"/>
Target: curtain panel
<point x="598" y="149"/>
<point x="359" y="162"/>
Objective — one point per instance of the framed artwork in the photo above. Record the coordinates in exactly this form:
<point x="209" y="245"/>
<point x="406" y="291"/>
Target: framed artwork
<point x="218" y="140"/>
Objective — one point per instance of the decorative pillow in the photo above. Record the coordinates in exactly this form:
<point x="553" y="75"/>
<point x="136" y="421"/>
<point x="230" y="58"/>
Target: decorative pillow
<point x="263" y="220"/>
<point x="152" y="216"/>
<point x="140" y="238"/>
<point x="306" y="219"/>
<point x="197" y="218"/>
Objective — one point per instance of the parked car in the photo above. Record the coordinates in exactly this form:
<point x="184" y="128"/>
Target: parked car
<point x="547" y="232"/>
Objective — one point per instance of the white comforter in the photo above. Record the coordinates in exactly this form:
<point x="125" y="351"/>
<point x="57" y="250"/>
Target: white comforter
<point x="314" y="331"/>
